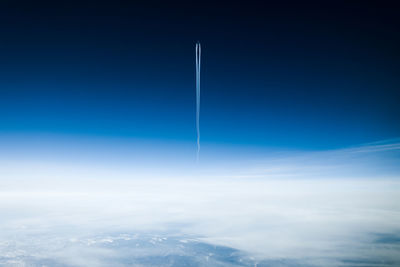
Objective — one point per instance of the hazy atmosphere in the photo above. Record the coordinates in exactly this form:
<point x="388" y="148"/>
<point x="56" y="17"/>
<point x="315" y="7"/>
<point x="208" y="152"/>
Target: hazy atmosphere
<point x="109" y="158"/>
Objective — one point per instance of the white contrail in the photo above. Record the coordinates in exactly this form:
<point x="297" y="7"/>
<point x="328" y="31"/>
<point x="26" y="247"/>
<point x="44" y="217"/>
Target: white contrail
<point x="198" y="58"/>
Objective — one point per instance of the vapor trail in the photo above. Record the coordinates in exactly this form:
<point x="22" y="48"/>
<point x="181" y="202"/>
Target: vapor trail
<point x="198" y="58"/>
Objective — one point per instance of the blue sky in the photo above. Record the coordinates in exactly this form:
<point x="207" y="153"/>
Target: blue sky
<point x="322" y="78"/>
<point x="300" y="147"/>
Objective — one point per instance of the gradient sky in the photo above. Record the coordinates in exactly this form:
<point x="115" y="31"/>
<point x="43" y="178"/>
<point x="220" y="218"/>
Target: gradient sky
<point x="298" y="76"/>
<point x="300" y="133"/>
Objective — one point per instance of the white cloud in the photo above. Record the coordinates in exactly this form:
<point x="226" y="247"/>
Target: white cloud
<point x="272" y="209"/>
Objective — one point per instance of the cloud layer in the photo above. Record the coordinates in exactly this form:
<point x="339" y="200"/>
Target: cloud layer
<point x="317" y="208"/>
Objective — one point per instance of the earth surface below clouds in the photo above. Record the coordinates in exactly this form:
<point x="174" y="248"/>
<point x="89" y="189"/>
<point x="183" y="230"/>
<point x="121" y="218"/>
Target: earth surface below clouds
<point x="221" y="221"/>
<point x="131" y="250"/>
<point x="153" y="250"/>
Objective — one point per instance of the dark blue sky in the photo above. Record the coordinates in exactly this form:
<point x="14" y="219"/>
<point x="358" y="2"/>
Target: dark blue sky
<point x="302" y="76"/>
